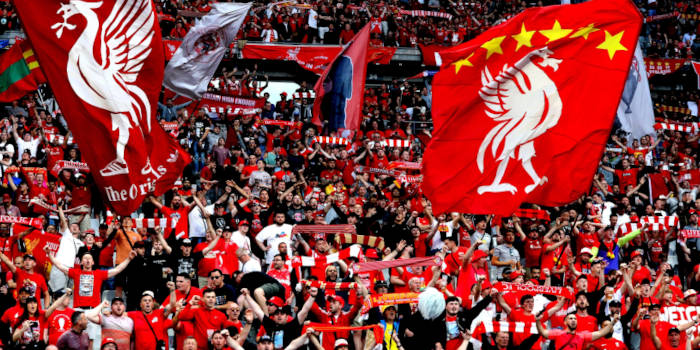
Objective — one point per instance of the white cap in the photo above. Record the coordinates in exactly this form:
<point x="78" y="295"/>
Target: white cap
<point x="340" y="342"/>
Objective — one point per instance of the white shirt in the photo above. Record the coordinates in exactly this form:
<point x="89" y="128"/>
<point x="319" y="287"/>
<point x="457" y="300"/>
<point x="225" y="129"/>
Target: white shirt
<point x="241" y="240"/>
<point x="272" y="236"/>
<point x="251" y="266"/>
<point x="196" y="221"/>
<point x="68" y="249"/>
<point x="32" y="146"/>
<point x="313" y="19"/>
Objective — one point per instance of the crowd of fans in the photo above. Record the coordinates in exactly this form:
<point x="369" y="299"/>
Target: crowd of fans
<point x="112" y="285"/>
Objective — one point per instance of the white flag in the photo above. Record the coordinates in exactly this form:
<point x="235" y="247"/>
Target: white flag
<point x="195" y="62"/>
<point x="636" y="112"/>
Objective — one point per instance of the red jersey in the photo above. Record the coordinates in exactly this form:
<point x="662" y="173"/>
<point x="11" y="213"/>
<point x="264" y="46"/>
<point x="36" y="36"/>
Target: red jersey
<point x="180" y="214"/>
<point x="342" y="319"/>
<point x="35" y="282"/>
<point x="533" y="251"/>
<point x="59" y="322"/>
<point x="86" y="287"/>
<point x="608" y="344"/>
<point x="205" y="323"/>
<point x="143" y="335"/>
<point x="566" y="341"/>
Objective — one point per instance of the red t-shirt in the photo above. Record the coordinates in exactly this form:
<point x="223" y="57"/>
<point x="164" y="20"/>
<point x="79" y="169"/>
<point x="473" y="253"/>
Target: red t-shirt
<point x="86" y="287"/>
<point x="533" y="250"/>
<point x="587" y="240"/>
<point x="566" y="341"/>
<point x="519" y="315"/>
<point x="640" y="275"/>
<point x="407" y="275"/>
<point x="627" y="177"/>
<point x="608" y="344"/>
<point x="182" y="226"/>
<point x="59" y="322"/>
<point x="662" y="328"/>
<point x="587" y="323"/>
<point x="34" y="281"/>
<point x="205" y="323"/>
<point x="34" y="333"/>
<point x="143" y="335"/>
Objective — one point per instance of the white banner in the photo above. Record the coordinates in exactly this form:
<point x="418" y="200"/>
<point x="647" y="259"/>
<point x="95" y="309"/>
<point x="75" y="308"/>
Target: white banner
<point x="189" y="71"/>
<point x="678" y="315"/>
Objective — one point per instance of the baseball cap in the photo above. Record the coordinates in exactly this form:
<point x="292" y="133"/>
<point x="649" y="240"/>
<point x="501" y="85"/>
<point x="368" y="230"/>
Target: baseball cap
<point x="117" y="299"/>
<point x="149" y="293"/>
<point x="265" y="339"/>
<point x="674" y="330"/>
<point x="228" y="228"/>
<point x="380" y="284"/>
<point x="139" y="244"/>
<point x="515" y="274"/>
<point x="276" y="301"/>
<point x="689" y="293"/>
<point x="340" y="342"/>
<point x="244" y="222"/>
<point x="108" y="340"/>
<point x="636" y="253"/>
<point x="478" y="254"/>
<point x="29" y="256"/>
<point x="335" y="298"/>
<point x="586" y="250"/>
<point x="187" y="242"/>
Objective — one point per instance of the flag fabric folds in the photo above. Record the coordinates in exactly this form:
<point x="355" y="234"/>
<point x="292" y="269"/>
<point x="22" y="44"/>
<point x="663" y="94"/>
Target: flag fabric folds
<point x="340" y="89"/>
<point x="513" y="113"/>
<point x="19" y="72"/>
<point x="636" y="112"/>
<point x="104" y="62"/>
<point x="191" y="68"/>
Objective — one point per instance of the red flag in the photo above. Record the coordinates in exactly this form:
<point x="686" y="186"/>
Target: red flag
<point x="696" y="69"/>
<point x="170" y="47"/>
<point x="340" y="89"/>
<point x="19" y="72"/>
<point x="104" y="61"/>
<point x="513" y="112"/>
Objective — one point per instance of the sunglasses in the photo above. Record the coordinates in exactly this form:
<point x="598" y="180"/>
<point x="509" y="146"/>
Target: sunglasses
<point x="215" y="277"/>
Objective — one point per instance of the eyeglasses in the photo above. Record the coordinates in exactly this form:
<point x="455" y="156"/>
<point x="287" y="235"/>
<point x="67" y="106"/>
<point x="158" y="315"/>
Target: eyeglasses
<point x="215" y="277"/>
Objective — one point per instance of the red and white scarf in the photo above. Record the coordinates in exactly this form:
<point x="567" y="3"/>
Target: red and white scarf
<point x="323" y="229"/>
<point x="309" y="94"/>
<point x="371" y="241"/>
<point x="666" y="221"/>
<point x="423" y="13"/>
<point x="330" y="285"/>
<point x="504" y="326"/>
<point x="354" y="251"/>
<point x="683" y="127"/>
<point x="330" y="140"/>
<point x="690" y="233"/>
<point x="404" y="165"/>
<point x="287" y="123"/>
<point x="376" y="171"/>
<point x="395" y="143"/>
<point x="66" y="164"/>
<point x="37" y="223"/>
<point x="522" y="289"/>
<point x="149" y="222"/>
<point x="58" y="138"/>
<point x="380" y="265"/>
<point x="375" y="300"/>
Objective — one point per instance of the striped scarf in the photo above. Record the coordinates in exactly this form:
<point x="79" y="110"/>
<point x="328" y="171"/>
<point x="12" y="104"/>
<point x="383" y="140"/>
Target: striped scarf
<point x="354" y="251"/>
<point x="684" y="127"/>
<point x="330" y="285"/>
<point x="388" y="299"/>
<point x="324" y="229"/>
<point x="149" y="222"/>
<point x="380" y="265"/>
<point x="371" y="241"/>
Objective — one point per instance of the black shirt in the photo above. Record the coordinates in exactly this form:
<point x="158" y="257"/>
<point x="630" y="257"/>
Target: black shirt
<point x="282" y="335"/>
<point x="186" y="264"/>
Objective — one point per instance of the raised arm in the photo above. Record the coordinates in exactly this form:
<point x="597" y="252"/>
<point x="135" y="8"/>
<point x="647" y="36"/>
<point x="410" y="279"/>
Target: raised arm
<point x="55" y="263"/>
<point x="8" y="262"/>
<point x="93" y="315"/>
<point x="119" y="268"/>
<point x="161" y="239"/>
<point x="301" y="316"/>
<point x="543" y="332"/>
<point x="654" y="337"/>
<point x="607" y="329"/>
<point x="252" y="304"/>
<point x="68" y="293"/>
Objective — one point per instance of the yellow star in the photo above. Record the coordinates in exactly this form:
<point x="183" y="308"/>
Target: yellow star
<point x="524" y="38"/>
<point x="612" y="43"/>
<point x="463" y="62"/>
<point x="584" y="31"/>
<point x="555" y="33"/>
<point x="493" y="46"/>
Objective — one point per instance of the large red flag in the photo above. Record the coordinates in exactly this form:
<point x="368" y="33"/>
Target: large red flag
<point x="340" y="89"/>
<point x="19" y="72"/>
<point x="522" y="112"/>
<point x="104" y="62"/>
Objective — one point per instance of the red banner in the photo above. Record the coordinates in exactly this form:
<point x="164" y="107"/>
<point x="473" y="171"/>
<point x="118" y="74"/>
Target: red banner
<point x="66" y="164"/>
<point x="388" y="299"/>
<point x="532" y="289"/>
<point x="169" y="47"/>
<point x="104" y="62"/>
<point x="32" y="222"/>
<point x="662" y="66"/>
<point x="229" y="105"/>
<point x="35" y="243"/>
<point x="431" y="54"/>
<point x="662" y="17"/>
<point x="690" y="233"/>
<point x="314" y="58"/>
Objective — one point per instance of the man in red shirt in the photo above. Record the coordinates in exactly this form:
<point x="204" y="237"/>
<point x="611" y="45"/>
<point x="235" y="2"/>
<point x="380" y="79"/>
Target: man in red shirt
<point x="524" y="314"/>
<point x="205" y="317"/>
<point x="280" y="272"/>
<point x="88" y="282"/>
<point x="608" y="342"/>
<point x="150" y="325"/>
<point x="569" y="339"/>
<point x="25" y="277"/>
<point x="676" y="340"/>
<point x="179" y="210"/>
<point x="661" y="328"/>
<point x="335" y="315"/>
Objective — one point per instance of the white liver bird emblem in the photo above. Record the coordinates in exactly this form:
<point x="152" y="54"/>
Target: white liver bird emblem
<point x="525" y="102"/>
<point x="108" y="80"/>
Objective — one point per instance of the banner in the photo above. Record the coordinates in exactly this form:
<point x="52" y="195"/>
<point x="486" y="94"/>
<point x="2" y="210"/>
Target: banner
<point x="376" y="300"/>
<point x="329" y="285"/>
<point x="679" y="315"/>
<point x="404" y="165"/>
<point x="662" y="66"/>
<point x="692" y="176"/>
<point x="323" y="229"/>
<point x="37" y="223"/>
<point x="66" y="164"/>
<point x="104" y="62"/>
<point x="377" y="171"/>
<point x="314" y="58"/>
<point x="35" y="242"/>
<point x="423" y="13"/>
<point x="229" y="105"/>
<point x="636" y="111"/>
<point x="377" y="330"/>
<point x="689" y="233"/>
<point x="661" y="17"/>
<point x="696" y="69"/>
<point x="521" y="288"/>
<point x="191" y="68"/>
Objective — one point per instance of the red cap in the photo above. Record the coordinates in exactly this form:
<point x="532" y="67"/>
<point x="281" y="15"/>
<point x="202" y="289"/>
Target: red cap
<point x="515" y="274"/>
<point x="372" y="254"/>
<point x="478" y="254"/>
<point x="6" y="198"/>
<point x="276" y="301"/>
<point x="244" y="222"/>
<point x="108" y="340"/>
<point x="335" y="298"/>
<point x="636" y="253"/>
